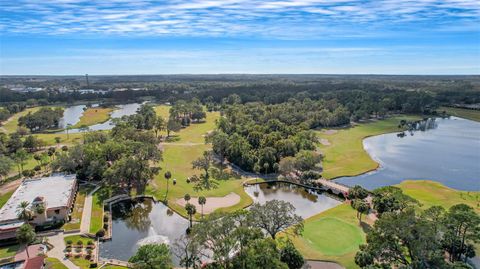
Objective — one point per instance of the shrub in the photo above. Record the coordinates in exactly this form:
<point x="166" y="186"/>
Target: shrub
<point x="89" y="251"/>
<point x="93" y="265"/>
<point x="64" y="148"/>
<point x="105" y="226"/>
<point x="37" y="168"/>
<point x="69" y="242"/>
<point x="100" y="233"/>
<point x="90" y="242"/>
<point x="80" y="242"/>
<point x="105" y="218"/>
<point x="87" y="257"/>
<point x="28" y="173"/>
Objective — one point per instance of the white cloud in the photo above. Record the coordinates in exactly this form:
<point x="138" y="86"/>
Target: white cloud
<point x="278" y="18"/>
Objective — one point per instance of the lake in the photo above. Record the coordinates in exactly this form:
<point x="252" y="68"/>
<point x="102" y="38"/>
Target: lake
<point x="448" y="151"/>
<point x="71" y="115"/>
<point x="120" y="111"/>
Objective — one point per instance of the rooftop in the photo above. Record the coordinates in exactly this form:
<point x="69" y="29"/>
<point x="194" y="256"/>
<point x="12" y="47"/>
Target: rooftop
<point x="56" y="191"/>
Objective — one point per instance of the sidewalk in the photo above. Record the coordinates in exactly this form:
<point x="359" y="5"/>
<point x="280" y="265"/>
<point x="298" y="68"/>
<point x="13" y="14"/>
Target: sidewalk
<point x="87" y="212"/>
<point x="58" y="250"/>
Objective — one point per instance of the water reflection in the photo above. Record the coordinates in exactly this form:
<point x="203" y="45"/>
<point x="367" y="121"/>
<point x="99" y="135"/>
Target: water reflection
<point x="444" y="150"/>
<point x="139" y="223"/>
<point x="71" y="115"/>
<point x="307" y="202"/>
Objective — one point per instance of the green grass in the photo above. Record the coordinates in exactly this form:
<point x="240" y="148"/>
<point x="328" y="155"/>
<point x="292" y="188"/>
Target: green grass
<point x="93" y="116"/>
<point x="162" y="111"/>
<point x="75" y="238"/>
<point x="11" y="124"/>
<point x="111" y="266"/>
<point x="332" y="235"/>
<point x="76" y="221"/>
<point x="65" y="139"/>
<point x="462" y="113"/>
<point x="177" y="158"/>
<point x="8" y="251"/>
<point x="80" y="262"/>
<point x="345" y="156"/>
<point x="430" y="193"/>
<point x="53" y="263"/>
<point x="4" y="197"/>
<point x="96" y="221"/>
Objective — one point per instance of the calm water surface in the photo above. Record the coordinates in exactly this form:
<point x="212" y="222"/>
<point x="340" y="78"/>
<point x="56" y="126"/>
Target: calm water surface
<point x="448" y="153"/>
<point x="136" y="224"/>
<point x="122" y="110"/>
<point x="71" y="115"/>
<point x="307" y="202"/>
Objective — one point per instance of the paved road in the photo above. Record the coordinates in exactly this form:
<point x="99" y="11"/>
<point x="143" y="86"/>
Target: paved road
<point x="58" y="250"/>
<point x="87" y="212"/>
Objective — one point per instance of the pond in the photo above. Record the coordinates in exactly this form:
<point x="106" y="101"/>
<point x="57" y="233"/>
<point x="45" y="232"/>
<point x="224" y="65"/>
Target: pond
<point x="136" y="224"/>
<point x="120" y="111"/>
<point x="444" y="150"/>
<point x="307" y="203"/>
<point x="145" y="221"/>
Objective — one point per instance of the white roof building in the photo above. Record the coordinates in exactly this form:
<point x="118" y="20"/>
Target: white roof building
<point x="57" y="191"/>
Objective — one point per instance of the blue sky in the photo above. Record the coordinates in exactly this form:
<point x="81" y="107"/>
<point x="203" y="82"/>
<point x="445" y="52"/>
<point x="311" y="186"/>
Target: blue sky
<point x="63" y="37"/>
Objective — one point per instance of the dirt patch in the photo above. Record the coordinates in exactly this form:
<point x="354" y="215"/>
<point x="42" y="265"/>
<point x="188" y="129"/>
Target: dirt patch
<point x="325" y="142"/>
<point x="213" y="203"/>
<point x="10" y="186"/>
<point x="330" y="132"/>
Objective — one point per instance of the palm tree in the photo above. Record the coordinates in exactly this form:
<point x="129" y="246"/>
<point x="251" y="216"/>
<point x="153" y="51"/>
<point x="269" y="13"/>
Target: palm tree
<point x="187" y="197"/>
<point x="191" y="210"/>
<point x="25" y="236"/>
<point x="168" y="175"/>
<point x="23" y="212"/>
<point x="69" y="126"/>
<point x="202" y="201"/>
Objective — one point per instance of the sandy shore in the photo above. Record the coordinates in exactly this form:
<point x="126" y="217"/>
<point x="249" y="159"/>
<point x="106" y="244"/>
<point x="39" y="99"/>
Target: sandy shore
<point x="213" y="203"/>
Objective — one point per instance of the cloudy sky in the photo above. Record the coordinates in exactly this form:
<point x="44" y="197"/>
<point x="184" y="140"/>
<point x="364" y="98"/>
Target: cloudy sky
<point x="58" y="37"/>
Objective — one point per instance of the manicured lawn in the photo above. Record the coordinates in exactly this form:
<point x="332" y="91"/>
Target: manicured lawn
<point x="111" y="266"/>
<point x="195" y="133"/>
<point x="4" y="198"/>
<point x="345" y="156"/>
<point x="333" y="235"/>
<point x="76" y="221"/>
<point x="96" y="221"/>
<point x="75" y="239"/>
<point x="8" y="251"/>
<point x="81" y="262"/>
<point x="431" y="193"/>
<point x="462" y="113"/>
<point x="53" y="263"/>
<point x="93" y="116"/>
<point x="65" y="139"/>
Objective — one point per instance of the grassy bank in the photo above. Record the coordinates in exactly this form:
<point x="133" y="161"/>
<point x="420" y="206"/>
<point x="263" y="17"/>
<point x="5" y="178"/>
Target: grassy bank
<point x="8" y="251"/>
<point x="94" y="115"/>
<point x="430" y="193"/>
<point x="345" y="155"/>
<point x="96" y="221"/>
<point x="53" y="263"/>
<point x="462" y="113"/>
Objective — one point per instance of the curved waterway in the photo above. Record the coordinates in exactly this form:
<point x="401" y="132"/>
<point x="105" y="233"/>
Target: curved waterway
<point x="447" y="151"/>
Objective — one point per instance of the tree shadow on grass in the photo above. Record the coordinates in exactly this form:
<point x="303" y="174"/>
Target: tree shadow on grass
<point x="365" y="227"/>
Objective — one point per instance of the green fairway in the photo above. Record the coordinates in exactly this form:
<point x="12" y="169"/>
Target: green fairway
<point x="345" y="156"/>
<point x="178" y="157"/>
<point x="11" y="125"/>
<point x="94" y="115"/>
<point x="333" y="235"/>
<point x="462" y="113"/>
<point x="162" y="111"/>
<point x="430" y="193"/>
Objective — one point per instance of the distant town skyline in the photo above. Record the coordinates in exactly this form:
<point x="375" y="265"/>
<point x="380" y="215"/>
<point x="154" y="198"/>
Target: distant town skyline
<point x="74" y="37"/>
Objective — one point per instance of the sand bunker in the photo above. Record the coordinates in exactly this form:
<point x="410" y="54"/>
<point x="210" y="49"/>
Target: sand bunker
<point x="330" y="132"/>
<point x="324" y="142"/>
<point x="213" y="203"/>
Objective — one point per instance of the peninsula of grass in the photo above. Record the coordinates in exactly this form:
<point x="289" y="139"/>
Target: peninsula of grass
<point x="94" y="115"/>
<point x="345" y="155"/>
<point x="333" y="235"/>
<point x="461" y="113"/>
<point x="430" y="193"/>
<point x="53" y="263"/>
